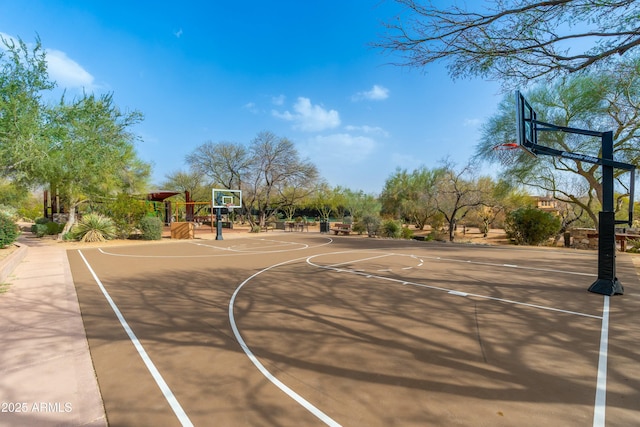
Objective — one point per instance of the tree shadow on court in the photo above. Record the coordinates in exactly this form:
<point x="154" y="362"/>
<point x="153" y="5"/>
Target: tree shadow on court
<point x="364" y="350"/>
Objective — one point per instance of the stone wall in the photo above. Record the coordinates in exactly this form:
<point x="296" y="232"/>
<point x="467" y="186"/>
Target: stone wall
<point x="581" y="240"/>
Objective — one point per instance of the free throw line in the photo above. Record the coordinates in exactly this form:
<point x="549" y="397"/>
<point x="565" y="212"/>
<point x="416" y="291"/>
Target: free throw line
<point x="164" y="388"/>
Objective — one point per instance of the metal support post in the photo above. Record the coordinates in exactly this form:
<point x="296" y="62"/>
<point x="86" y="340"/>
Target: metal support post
<point x="219" y="224"/>
<point x="607" y="282"/>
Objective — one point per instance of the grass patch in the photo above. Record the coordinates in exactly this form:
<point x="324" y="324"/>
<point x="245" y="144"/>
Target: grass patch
<point x="4" y="287"/>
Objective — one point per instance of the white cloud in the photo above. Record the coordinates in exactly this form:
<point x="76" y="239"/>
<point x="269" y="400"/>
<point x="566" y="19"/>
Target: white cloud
<point x="376" y="93"/>
<point x="178" y="33"/>
<point x="347" y="148"/>
<point x="375" y="130"/>
<point x="471" y="122"/>
<point x="310" y="118"/>
<point x="251" y="107"/>
<point x="66" y="72"/>
<point x="278" y="100"/>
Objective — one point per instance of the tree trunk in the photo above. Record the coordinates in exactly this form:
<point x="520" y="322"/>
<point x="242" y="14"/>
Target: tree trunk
<point x="71" y="219"/>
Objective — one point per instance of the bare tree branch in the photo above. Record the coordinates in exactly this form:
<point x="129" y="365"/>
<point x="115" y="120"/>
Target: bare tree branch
<point x="515" y="40"/>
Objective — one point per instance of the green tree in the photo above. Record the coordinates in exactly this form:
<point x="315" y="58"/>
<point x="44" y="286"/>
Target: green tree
<point x="360" y="204"/>
<point x="516" y="41"/>
<point x="598" y="101"/>
<point x="91" y="151"/>
<point x="411" y="196"/>
<point x="192" y="181"/>
<point x="323" y="200"/>
<point x="23" y="80"/>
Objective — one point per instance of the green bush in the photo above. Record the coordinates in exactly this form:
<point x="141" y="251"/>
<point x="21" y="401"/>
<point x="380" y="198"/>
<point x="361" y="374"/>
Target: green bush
<point x="151" y="228"/>
<point x="93" y="228"/>
<point x="8" y="231"/>
<point x="359" y="227"/>
<point x="54" y="228"/>
<point x="126" y="213"/>
<point x="531" y="226"/>
<point x="391" y="229"/>
<point x="39" y="229"/>
<point x="372" y="224"/>
<point x="406" y="233"/>
<point x="9" y="211"/>
<point x="44" y="227"/>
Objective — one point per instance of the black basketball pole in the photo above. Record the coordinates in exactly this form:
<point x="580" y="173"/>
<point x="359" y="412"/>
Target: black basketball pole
<point x="607" y="282"/>
<point x="219" y="224"/>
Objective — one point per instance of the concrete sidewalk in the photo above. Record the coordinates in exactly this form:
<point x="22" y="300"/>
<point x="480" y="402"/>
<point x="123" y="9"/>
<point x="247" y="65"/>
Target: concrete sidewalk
<point x="46" y="374"/>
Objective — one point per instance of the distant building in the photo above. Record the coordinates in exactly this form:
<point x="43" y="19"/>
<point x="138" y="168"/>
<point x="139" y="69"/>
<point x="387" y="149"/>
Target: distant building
<point x="548" y="204"/>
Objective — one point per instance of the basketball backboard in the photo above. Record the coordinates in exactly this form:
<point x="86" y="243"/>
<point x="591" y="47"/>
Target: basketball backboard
<point x="223" y="198"/>
<point x="526" y="135"/>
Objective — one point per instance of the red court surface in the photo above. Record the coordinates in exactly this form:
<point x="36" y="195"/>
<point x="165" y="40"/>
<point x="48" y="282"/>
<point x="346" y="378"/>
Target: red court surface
<point x="293" y="329"/>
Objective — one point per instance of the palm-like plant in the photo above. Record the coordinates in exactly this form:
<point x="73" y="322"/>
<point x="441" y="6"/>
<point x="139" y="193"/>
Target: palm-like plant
<point x="94" y="228"/>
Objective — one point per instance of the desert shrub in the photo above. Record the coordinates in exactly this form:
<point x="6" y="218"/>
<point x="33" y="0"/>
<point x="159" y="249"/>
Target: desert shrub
<point x="8" y="230"/>
<point x="39" y="230"/>
<point x="151" y="228"/>
<point x="255" y="228"/>
<point x="93" y="228"/>
<point x="406" y="233"/>
<point x="391" y="228"/>
<point x="126" y="213"/>
<point x="9" y="211"/>
<point x="633" y="246"/>
<point x="531" y="226"/>
<point x="372" y="224"/>
<point x="359" y="227"/>
<point x="44" y="227"/>
<point x="53" y="228"/>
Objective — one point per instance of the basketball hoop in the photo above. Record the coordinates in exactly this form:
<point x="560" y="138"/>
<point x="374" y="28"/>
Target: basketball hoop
<point x="507" y="153"/>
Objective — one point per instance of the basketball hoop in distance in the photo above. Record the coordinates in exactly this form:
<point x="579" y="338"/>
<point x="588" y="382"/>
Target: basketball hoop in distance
<point x="507" y="153"/>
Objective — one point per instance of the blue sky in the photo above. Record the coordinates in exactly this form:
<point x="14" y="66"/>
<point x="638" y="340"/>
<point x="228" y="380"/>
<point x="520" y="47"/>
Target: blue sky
<point x="224" y="71"/>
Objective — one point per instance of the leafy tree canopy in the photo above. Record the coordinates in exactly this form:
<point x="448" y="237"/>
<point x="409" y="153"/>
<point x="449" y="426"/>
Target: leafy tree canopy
<point x="602" y="100"/>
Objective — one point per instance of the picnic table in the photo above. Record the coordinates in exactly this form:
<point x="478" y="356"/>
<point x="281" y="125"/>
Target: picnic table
<point x="341" y="228"/>
<point x="620" y="238"/>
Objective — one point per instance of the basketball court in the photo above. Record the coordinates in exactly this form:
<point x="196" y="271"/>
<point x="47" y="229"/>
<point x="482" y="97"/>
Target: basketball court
<point x="305" y="329"/>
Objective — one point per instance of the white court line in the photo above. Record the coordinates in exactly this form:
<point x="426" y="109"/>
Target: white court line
<point x="449" y="291"/>
<point x="359" y="260"/>
<point x="601" y="387"/>
<point x="228" y="250"/>
<point x="491" y="264"/>
<point x="166" y="391"/>
<point x="287" y="390"/>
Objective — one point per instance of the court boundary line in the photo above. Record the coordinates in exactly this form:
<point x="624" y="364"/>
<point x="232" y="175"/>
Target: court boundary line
<point x="318" y="413"/>
<point x="229" y="252"/>
<point x="600" y="405"/>
<point x="438" y="288"/>
<point x="171" y="399"/>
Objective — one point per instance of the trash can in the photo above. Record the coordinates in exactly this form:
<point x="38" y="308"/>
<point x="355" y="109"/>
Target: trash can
<point x="324" y="226"/>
